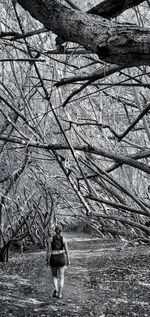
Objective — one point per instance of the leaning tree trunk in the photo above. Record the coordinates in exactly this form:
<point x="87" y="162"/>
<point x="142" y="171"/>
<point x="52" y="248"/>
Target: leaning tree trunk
<point x="4" y="252"/>
<point x="122" y="44"/>
<point x="13" y="179"/>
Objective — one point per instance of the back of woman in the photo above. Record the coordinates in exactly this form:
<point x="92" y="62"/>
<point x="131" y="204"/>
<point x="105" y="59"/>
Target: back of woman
<point x="57" y="252"/>
<point x="57" y="243"/>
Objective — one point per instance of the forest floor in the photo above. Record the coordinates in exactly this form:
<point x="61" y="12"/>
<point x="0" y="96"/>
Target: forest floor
<point x="103" y="279"/>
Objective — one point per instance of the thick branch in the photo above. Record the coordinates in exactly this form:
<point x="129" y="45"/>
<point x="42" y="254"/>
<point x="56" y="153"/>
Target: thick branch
<point x="118" y="206"/>
<point x="112" y="8"/>
<point x="122" y="44"/>
<point x="87" y="149"/>
<point x="123" y="220"/>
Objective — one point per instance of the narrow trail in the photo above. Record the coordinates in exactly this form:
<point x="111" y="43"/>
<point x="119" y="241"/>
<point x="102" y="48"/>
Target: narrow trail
<point x="103" y="280"/>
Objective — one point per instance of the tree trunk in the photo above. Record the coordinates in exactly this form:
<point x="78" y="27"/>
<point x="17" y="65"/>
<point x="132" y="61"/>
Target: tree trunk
<point x="4" y="252"/>
<point x="122" y="44"/>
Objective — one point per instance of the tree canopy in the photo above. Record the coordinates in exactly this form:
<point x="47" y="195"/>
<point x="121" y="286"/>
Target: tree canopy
<point x="74" y="118"/>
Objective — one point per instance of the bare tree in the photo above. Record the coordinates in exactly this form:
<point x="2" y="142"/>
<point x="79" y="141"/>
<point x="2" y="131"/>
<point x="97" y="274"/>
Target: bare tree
<point x="82" y="107"/>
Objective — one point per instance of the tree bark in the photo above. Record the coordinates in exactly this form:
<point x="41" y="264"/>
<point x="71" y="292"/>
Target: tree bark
<point x="112" y="8"/>
<point x="121" y="44"/>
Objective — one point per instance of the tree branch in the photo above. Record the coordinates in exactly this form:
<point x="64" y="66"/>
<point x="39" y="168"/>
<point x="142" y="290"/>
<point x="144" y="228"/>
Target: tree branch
<point x="118" y="206"/>
<point x="87" y="149"/>
<point x="112" y="8"/>
<point x="30" y="60"/>
<point x="123" y="220"/>
<point x="140" y="116"/>
<point x="15" y="35"/>
<point x="103" y="72"/>
<point x="121" y="44"/>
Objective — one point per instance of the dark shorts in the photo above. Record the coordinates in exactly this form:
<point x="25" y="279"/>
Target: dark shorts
<point x="57" y="260"/>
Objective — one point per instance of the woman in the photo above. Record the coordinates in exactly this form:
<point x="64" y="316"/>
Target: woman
<point x="57" y="258"/>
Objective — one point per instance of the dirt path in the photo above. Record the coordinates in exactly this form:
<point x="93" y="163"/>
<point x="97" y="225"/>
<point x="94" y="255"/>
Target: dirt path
<point x="101" y="281"/>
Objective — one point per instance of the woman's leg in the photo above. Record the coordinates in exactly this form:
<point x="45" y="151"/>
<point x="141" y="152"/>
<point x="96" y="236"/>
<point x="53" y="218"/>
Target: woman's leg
<point x="61" y="272"/>
<point x="55" y="280"/>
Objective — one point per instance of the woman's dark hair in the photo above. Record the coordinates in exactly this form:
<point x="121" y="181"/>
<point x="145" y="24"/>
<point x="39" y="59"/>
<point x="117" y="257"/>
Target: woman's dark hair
<point x="58" y="229"/>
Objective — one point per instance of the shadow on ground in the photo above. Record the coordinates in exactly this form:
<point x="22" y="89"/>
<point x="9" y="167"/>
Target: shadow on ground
<point x="103" y="280"/>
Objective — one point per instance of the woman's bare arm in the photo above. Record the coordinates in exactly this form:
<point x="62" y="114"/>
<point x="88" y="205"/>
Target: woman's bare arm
<point x="48" y="250"/>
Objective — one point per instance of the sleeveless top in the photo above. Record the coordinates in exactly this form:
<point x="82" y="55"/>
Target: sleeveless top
<point x="57" y="243"/>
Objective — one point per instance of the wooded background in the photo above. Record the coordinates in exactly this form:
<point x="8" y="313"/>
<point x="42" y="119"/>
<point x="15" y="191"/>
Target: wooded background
<point x="74" y="119"/>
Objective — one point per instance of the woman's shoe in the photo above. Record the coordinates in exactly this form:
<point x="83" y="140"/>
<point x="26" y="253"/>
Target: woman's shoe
<point x="59" y="296"/>
<point x="55" y="294"/>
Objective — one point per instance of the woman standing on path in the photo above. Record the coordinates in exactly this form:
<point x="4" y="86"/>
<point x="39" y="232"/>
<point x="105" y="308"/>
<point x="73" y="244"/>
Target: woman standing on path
<point x="57" y="257"/>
